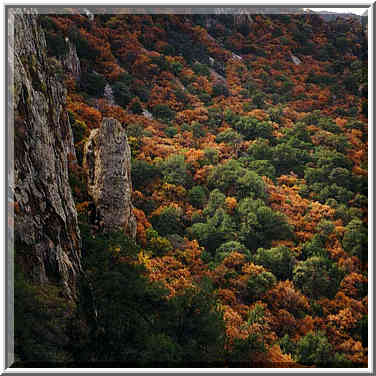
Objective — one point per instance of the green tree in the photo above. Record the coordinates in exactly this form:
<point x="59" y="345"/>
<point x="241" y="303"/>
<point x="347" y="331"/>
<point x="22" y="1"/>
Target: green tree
<point x="93" y="83"/>
<point x="317" y="277"/>
<point x="314" y="349"/>
<point x="259" y="224"/>
<point x="41" y="318"/>
<point x="163" y="112"/>
<point x="279" y="260"/>
<point x="56" y="45"/>
<point x="218" y="229"/>
<point x="259" y="284"/>
<point x="122" y="93"/>
<point x="197" y="196"/>
<point x="260" y="150"/>
<point x="220" y="89"/>
<point x="285" y="158"/>
<point x="232" y="179"/>
<point x="136" y="107"/>
<point x="169" y="221"/>
<point x="131" y="322"/>
<point x="232" y="246"/>
<point x="355" y="239"/>
<point x="175" y="170"/>
<point x="252" y="128"/>
<point x="263" y="168"/>
<point x="143" y="173"/>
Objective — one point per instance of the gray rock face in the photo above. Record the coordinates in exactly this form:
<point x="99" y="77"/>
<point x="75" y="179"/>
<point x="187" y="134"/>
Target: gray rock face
<point x="45" y="221"/>
<point x="295" y="59"/>
<point x="108" y="94"/>
<point x="107" y="158"/>
<point x="71" y="62"/>
<point x="147" y="114"/>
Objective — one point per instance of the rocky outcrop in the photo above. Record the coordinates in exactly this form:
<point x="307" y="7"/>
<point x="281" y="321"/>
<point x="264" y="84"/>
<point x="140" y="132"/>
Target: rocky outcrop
<point x="107" y="157"/>
<point x="45" y="223"/>
<point x="295" y="59"/>
<point x="71" y="62"/>
<point x="243" y="18"/>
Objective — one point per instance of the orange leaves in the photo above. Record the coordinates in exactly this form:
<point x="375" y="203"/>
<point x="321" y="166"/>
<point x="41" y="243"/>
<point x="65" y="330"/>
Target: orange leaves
<point x="344" y="320"/>
<point x="284" y="296"/>
<point x="178" y="272"/>
<point x="350" y="264"/>
<point x="353" y="285"/>
<point x="231" y="204"/>
<point x="193" y="156"/>
<point x="171" y="272"/>
<point x="275" y="356"/>
<point x="341" y="122"/>
<point x="132" y="41"/>
<point x="202" y="174"/>
<point x="142" y="225"/>
<point x="284" y="323"/>
<point x="82" y="207"/>
<point x="199" y="114"/>
<point x="359" y="171"/>
<point x="259" y="114"/>
<point x="354" y="351"/>
<point x="303" y="214"/>
<point x="234" y="323"/>
<point x="100" y="45"/>
<point x="169" y="193"/>
<point x="158" y="147"/>
<point x="298" y="89"/>
<point x="305" y="325"/>
<point x="249" y="268"/>
<point x="226" y="296"/>
<point x="112" y="70"/>
<point x="91" y="116"/>
<point x="342" y="301"/>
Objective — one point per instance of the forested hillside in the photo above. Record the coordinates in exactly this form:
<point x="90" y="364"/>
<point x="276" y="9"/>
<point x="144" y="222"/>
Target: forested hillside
<point x="249" y="149"/>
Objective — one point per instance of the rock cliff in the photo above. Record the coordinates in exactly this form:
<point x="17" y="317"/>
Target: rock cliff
<point x="45" y="220"/>
<point x="107" y="158"/>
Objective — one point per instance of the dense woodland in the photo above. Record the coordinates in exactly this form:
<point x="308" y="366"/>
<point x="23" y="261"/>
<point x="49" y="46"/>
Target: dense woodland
<point x="249" y="169"/>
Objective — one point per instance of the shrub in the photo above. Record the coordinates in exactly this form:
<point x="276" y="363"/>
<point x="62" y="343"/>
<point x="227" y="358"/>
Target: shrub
<point x="201" y="69"/>
<point x="171" y="131"/>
